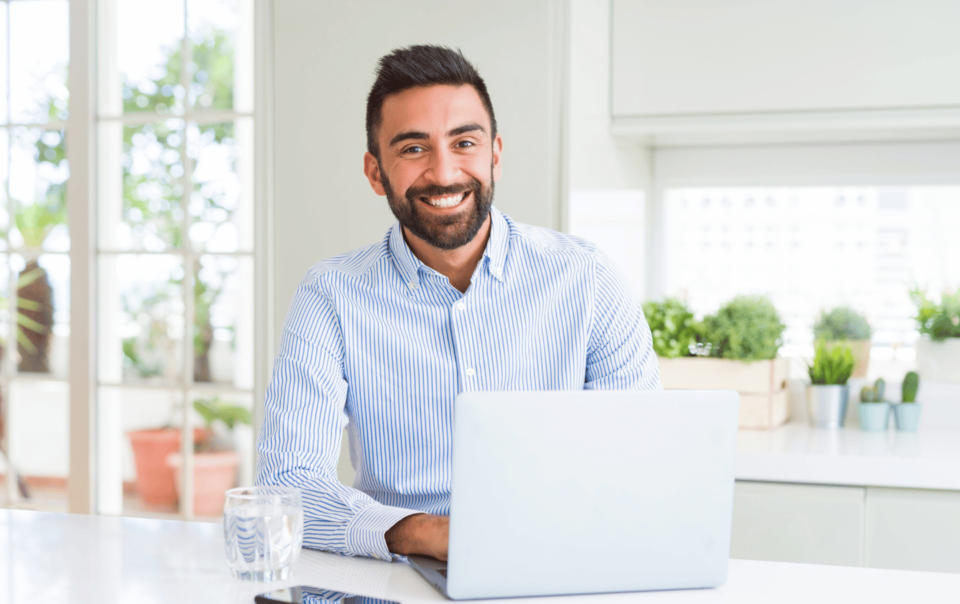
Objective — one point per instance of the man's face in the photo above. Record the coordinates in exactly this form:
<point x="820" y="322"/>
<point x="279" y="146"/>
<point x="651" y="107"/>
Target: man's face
<point x="438" y="163"/>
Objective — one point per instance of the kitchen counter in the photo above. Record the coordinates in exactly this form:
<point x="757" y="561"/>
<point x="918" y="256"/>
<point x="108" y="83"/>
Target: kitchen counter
<point x="799" y="453"/>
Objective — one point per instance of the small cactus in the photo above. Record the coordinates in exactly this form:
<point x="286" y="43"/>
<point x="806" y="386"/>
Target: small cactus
<point x="911" y="383"/>
<point x="881" y="387"/>
<point x="868" y="394"/>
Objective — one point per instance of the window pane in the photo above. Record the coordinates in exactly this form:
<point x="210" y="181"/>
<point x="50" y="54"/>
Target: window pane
<point x="39" y="53"/>
<point x="148" y="214"/>
<point x="214" y="27"/>
<point x="38" y="185"/>
<point x="149" y="40"/>
<point x="4" y="306"/>
<point x="221" y="204"/>
<point x="223" y="327"/>
<point x="40" y="435"/>
<point x="142" y="321"/>
<point x="4" y="80"/>
<point x="43" y="314"/>
<point x="140" y="428"/>
<point x="4" y="185"/>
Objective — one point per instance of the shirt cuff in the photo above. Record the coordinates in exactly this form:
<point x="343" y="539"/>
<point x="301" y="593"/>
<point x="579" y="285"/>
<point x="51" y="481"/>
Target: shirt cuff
<point x="365" y="533"/>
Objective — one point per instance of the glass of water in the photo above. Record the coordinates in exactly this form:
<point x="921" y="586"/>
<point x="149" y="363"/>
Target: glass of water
<point x="263" y="532"/>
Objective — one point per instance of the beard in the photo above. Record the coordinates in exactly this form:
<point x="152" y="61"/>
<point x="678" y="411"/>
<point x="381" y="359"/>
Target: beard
<point x="446" y="232"/>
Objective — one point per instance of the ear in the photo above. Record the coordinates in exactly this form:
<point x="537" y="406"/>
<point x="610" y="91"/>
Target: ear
<point x="371" y="168"/>
<point x="497" y="150"/>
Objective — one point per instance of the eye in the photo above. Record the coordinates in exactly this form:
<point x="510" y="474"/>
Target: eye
<point x="465" y="144"/>
<point x="414" y="150"/>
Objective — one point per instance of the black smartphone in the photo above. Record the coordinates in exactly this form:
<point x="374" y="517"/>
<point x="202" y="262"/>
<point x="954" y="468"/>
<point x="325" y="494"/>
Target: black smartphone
<point x="303" y="594"/>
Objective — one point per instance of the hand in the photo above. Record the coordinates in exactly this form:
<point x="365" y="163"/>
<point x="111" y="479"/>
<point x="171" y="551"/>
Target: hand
<point x="423" y="534"/>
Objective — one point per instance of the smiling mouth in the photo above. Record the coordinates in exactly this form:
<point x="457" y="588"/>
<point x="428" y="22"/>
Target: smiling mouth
<point x="449" y="201"/>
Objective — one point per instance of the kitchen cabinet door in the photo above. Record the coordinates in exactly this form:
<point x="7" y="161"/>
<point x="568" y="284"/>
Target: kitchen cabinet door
<point x="913" y="529"/>
<point x="798" y="523"/>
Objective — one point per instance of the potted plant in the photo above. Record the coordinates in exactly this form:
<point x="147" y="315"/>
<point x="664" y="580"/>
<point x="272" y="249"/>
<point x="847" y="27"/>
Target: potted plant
<point x="873" y="410"/>
<point x="938" y="349"/>
<point x="907" y="412"/>
<point x="214" y="462"/>
<point x="846" y="325"/>
<point x="672" y="327"/>
<point x="735" y="349"/>
<point x="155" y="480"/>
<point x="827" y="392"/>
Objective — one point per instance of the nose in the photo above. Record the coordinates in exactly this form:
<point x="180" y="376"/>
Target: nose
<point x="444" y="169"/>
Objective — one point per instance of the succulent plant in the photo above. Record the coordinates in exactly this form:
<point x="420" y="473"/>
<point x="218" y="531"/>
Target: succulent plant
<point x="911" y="383"/>
<point x="672" y="327"/>
<point x="873" y="394"/>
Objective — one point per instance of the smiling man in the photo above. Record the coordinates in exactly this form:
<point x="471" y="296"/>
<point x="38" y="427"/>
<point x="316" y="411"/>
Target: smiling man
<point x="457" y="296"/>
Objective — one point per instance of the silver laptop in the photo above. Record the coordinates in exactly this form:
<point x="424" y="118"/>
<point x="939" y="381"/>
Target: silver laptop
<point x="588" y="492"/>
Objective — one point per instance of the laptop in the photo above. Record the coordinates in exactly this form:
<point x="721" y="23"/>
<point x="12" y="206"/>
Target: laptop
<point x="557" y="493"/>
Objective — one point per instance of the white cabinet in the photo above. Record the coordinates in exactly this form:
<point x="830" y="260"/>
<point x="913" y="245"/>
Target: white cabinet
<point x="798" y="523"/>
<point x="908" y="529"/>
<point x="913" y="529"/>
<point x="696" y="57"/>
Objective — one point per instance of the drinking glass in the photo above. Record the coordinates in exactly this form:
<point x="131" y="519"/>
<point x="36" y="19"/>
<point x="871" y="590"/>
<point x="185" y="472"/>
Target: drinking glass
<point x="263" y="532"/>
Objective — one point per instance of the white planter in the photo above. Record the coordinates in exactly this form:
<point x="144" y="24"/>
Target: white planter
<point x="939" y="361"/>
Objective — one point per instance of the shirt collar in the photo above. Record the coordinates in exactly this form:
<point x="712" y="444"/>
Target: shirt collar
<point x="408" y="265"/>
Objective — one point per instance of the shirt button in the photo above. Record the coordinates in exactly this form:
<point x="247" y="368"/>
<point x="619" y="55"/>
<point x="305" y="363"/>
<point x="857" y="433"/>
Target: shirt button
<point x="412" y="284"/>
<point x="470" y="372"/>
<point x="461" y="306"/>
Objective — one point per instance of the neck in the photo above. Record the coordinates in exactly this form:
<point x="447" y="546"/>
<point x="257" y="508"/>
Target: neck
<point x="456" y="265"/>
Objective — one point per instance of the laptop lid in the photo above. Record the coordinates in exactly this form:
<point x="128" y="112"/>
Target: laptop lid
<point x="590" y="491"/>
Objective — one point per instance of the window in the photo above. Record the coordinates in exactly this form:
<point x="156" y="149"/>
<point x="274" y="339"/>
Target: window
<point x="813" y="248"/>
<point x="174" y="245"/>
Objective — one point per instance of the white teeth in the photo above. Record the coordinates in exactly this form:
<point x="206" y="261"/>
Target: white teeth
<point x="446" y="202"/>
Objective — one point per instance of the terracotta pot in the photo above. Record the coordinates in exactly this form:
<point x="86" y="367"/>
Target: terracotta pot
<point x="213" y="474"/>
<point x="155" y="483"/>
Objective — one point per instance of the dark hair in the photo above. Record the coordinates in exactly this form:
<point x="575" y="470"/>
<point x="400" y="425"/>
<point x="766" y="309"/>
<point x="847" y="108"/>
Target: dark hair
<point x="421" y="65"/>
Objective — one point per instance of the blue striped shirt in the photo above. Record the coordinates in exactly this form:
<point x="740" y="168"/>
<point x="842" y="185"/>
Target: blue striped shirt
<point x="380" y="343"/>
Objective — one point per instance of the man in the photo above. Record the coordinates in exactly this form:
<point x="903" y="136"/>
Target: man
<point x="456" y="297"/>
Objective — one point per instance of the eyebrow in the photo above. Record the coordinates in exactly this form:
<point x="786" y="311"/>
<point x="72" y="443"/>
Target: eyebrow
<point x="420" y="136"/>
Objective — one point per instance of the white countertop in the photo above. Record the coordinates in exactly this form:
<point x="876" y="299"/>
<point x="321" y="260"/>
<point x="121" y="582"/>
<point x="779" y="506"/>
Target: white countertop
<point x="798" y="453"/>
<point x="69" y="559"/>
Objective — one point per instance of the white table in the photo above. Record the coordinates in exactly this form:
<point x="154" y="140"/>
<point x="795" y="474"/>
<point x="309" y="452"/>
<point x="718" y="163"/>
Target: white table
<point x="68" y="559"/>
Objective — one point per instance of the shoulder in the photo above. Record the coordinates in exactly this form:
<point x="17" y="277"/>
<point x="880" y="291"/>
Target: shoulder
<point x="544" y="241"/>
<point x="356" y="266"/>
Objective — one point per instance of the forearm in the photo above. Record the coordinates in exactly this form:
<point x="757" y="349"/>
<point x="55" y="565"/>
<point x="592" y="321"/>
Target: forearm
<point x="422" y="534"/>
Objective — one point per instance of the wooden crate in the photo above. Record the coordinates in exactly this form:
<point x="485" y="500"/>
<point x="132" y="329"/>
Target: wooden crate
<point x="764" y="398"/>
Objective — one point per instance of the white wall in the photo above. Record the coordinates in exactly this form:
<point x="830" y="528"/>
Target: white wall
<point x="324" y="59"/>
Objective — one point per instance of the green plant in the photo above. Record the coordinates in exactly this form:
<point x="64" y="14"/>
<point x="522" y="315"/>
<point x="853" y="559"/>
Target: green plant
<point x="747" y="328"/>
<point x="215" y="409"/>
<point x="831" y="365"/>
<point x="672" y="327"/>
<point x="939" y="321"/>
<point x="841" y="323"/>
<point x="911" y="383"/>
<point x="873" y="394"/>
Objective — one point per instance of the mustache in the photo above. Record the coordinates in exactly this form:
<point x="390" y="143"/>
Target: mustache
<point x="414" y="193"/>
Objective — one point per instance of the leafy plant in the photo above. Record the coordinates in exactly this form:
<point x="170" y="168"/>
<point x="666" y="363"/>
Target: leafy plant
<point x="939" y="321"/>
<point x="747" y="328"/>
<point x="842" y="323"/>
<point x="672" y="326"/>
<point x="215" y="409"/>
<point x="873" y="394"/>
<point x="911" y="383"/>
<point x="831" y="365"/>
